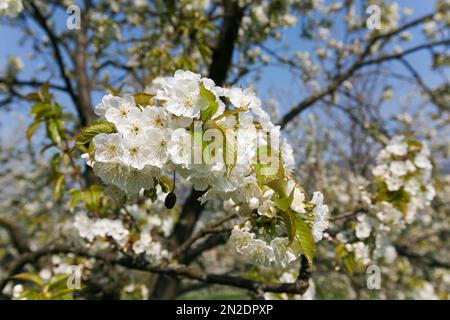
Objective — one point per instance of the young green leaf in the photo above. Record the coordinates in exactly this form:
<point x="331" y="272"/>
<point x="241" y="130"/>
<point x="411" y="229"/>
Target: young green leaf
<point x="143" y="99"/>
<point x="87" y="134"/>
<point x="305" y="239"/>
<point x="54" y="133"/>
<point x="30" y="277"/>
<point x="76" y="195"/>
<point x="32" y="129"/>
<point x="213" y="105"/>
<point x="58" y="186"/>
<point x="279" y="186"/>
<point x="283" y="203"/>
<point x="58" y="280"/>
<point x="289" y="221"/>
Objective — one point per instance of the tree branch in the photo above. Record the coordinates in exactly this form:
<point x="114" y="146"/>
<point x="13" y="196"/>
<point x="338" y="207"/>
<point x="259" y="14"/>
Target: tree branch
<point x="209" y="229"/>
<point x="18" y="237"/>
<point x="223" y="52"/>
<point x="41" y="20"/>
<point x="174" y="271"/>
<point x="32" y="83"/>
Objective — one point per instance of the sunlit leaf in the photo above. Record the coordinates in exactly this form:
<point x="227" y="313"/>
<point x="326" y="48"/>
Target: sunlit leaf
<point x="305" y="239"/>
<point x="87" y="134"/>
<point x="213" y="105"/>
<point x="30" y="277"/>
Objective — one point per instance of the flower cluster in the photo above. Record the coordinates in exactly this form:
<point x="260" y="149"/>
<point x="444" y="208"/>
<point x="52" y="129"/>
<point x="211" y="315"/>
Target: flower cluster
<point x="146" y="239"/>
<point x="268" y="248"/>
<point x="223" y="143"/>
<point x="10" y="8"/>
<point x="404" y="170"/>
<point x="101" y="228"/>
<point x="402" y="187"/>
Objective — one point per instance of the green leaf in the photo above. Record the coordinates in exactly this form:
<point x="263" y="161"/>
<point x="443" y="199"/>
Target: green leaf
<point x="230" y="154"/>
<point x="415" y="145"/>
<point x="204" y="50"/>
<point x="229" y="142"/>
<point x="32" y="129"/>
<point x="41" y="110"/>
<point x="305" y="239"/>
<point x="55" y="162"/>
<point x="279" y="186"/>
<point x="283" y="203"/>
<point x="58" y="280"/>
<point x="76" y="197"/>
<point x="341" y="252"/>
<point x="87" y="134"/>
<point x="30" y="277"/>
<point x="399" y="198"/>
<point x="114" y="91"/>
<point x="213" y="105"/>
<point x="289" y="220"/>
<point x="264" y="167"/>
<point x="58" y="186"/>
<point x="34" y="96"/>
<point x="54" y="133"/>
<point x="230" y="113"/>
<point x="63" y="294"/>
<point x="92" y="197"/>
<point x="143" y="99"/>
<point x="58" y="110"/>
<point x="350" y="263"/>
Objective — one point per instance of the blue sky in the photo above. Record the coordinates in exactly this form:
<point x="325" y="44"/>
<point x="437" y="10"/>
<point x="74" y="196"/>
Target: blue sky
<point x="273" y="79"/>
<point x="279" y="78"/>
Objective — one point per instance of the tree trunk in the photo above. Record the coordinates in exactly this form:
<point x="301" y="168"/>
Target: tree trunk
<point x="85" y="109"/>
<point x="167" y="287"/>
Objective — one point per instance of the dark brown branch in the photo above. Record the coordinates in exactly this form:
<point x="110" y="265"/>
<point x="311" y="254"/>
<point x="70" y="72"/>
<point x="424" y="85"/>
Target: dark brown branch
<point x="209" y="229"/>
<point x="406" y="52"/>
<point x="18" y="237"/>
<point x="420" y="81"/>
<point x="85" y="114"/>
<point x="174" y="271"/>
<point x="32" y="83"/>
<point x="223" y="51"/>
<point x="84" y="86"/>
<point x="41" y="20"/>
<point x="210" y="243"/>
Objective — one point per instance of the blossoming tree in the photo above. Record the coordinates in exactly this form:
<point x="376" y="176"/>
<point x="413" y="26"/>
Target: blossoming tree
<point x="183" y="177"/>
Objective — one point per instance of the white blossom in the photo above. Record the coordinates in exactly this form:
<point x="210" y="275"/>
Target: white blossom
<point x="363" y="227"/>
<point x="11" y="8"/>
<point x="321" y="214"/>
<point x="108" y="147"/>
<point x="119" y="109"/>
<point x="240" y="239"/>
<point x="179" y="147"/>
<point x="181" y="94"/>
<point x="259" y="252"/>
<point x="283" y="254"/>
